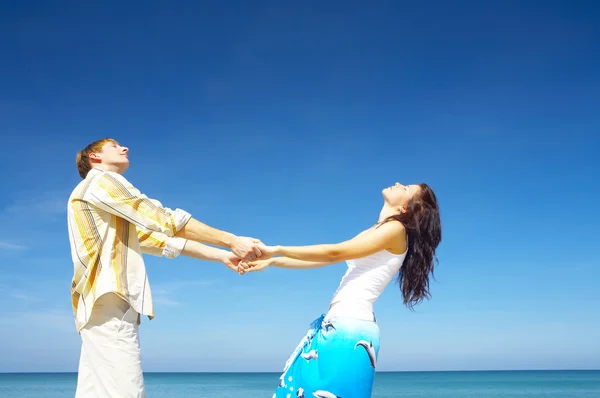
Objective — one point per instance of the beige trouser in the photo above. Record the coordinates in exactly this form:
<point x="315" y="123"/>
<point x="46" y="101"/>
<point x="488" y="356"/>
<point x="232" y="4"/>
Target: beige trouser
<point x="110" y="363"/>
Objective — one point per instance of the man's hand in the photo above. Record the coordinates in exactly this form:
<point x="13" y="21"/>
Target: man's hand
<point x="233" y="262"/>
<point x="246" y="248"/>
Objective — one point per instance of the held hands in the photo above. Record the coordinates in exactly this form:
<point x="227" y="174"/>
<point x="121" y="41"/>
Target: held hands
<point x="267" y="251"/>
<point x="259" y="265"/>
<point x="233" y="262"/>
<point x="246" y="248"/>
<point x="249" y="255"/>
<point x="266" y="260"/>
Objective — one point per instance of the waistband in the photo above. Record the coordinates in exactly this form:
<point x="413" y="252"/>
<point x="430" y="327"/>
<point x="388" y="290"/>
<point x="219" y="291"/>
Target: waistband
<point x="352" y="309"/>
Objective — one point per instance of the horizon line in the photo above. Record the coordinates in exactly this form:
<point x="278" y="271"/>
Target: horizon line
<point x="380" y="371"/>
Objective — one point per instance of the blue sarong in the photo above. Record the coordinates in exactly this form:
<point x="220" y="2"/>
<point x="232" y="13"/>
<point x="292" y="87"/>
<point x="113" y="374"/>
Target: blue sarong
<point x="336" y="358"/>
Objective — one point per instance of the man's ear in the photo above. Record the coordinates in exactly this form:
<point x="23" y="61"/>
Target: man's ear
<point x="94" y="158"/>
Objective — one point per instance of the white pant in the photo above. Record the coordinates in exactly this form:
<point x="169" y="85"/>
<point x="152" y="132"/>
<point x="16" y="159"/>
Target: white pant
<point x="110" y="365"/>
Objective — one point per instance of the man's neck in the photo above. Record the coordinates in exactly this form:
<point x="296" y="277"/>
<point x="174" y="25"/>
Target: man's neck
<point x="107" y="167"/>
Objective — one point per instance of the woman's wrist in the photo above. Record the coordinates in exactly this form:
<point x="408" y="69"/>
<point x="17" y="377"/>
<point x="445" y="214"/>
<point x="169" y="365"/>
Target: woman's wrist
<point x="278" y="250"/>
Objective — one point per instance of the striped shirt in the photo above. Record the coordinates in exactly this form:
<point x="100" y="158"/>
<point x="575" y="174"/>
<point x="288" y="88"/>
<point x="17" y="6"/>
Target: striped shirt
<point x="110" y="225"/>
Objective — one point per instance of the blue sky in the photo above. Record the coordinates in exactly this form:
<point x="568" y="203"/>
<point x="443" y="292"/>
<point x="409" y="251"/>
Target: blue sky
<point x="284" y="122"/>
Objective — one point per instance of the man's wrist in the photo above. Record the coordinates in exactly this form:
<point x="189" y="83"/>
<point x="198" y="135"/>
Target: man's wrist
<point x="220" y="255"/>
<point x="228" y="239"/>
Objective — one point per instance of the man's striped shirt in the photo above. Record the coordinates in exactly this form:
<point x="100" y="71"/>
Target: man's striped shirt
<point x="110" y="225"/>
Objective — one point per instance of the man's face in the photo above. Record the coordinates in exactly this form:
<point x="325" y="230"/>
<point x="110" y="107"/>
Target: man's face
<point x="112" y="154"/>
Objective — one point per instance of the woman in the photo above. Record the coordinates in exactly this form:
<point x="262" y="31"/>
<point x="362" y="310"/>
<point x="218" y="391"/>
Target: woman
<point x="338" y="356"/>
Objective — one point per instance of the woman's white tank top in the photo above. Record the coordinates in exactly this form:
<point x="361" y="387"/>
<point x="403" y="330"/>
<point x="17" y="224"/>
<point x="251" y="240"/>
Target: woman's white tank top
<point x="363" y="283"/>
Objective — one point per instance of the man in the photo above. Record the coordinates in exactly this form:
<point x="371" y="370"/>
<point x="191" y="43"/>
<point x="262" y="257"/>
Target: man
<point x="110" y="225"/>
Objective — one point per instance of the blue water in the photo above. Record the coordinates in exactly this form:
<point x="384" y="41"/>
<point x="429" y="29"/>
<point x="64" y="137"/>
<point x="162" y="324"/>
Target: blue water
<point x="518" y="384"/>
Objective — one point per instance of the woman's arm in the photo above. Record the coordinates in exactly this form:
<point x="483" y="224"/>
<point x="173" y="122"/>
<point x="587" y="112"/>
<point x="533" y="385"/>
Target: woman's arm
<point x="285" y="262"/>
<point x="387" y="237"/>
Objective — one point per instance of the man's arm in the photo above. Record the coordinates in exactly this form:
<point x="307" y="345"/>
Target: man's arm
<point x="161" y="245"/>
<point x="113" y="193"/>
<point x="200" y="232"/>
<point x="242" y="247"/>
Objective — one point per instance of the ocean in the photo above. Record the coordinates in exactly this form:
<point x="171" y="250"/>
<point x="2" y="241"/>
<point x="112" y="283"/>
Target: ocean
<point x="476" y="384"/>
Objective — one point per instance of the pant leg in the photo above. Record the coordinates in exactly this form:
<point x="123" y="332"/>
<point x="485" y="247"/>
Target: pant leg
<point x="111" y="352"/>
<point x="85" y="378"/>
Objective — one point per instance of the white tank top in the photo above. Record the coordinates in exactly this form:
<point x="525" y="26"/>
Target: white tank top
<point x="363" y="283"/>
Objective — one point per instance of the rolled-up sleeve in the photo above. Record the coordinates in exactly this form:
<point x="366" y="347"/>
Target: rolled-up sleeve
<point x="112" y="193"/>
<point x="159" y="244"/>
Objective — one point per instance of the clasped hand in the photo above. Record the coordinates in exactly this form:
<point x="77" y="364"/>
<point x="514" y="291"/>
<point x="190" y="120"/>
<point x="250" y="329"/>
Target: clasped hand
<point x="247" y="255"/>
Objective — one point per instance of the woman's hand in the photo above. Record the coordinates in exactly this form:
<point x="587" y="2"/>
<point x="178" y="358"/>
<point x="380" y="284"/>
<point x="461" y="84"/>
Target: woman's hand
<point x="267" y="251"/>
<point x="258" y="265"/>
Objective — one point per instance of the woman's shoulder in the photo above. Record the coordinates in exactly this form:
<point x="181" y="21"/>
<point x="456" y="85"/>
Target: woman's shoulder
<point x="392" y="225"/>
<point x="396" y="237"/>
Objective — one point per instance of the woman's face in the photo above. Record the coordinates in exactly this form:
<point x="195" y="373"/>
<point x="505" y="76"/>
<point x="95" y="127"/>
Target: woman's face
<point x="398" y="195"/>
